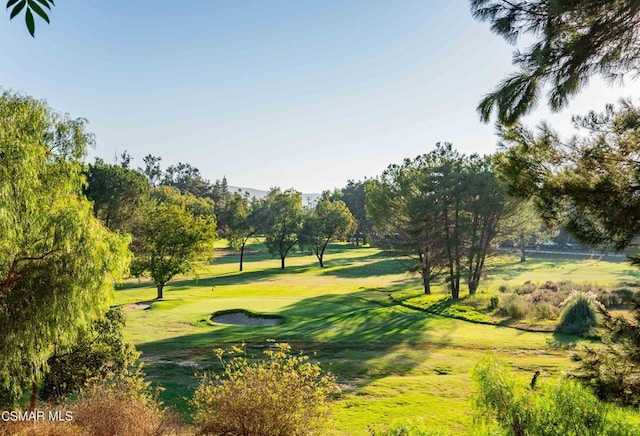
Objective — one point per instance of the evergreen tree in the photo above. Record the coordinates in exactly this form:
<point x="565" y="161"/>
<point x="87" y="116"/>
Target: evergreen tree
<point x="573" y="40"/>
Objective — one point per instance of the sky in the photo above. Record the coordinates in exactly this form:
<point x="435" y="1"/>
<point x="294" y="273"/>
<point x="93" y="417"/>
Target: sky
<point x="302" y="94"/>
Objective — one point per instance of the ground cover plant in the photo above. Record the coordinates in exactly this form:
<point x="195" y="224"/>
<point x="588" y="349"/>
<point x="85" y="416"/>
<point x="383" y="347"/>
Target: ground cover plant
<point x="354" y="318"/>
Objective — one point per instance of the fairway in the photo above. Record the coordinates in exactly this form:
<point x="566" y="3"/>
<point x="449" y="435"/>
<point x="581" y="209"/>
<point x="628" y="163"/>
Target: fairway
<point x="393" y="362"/>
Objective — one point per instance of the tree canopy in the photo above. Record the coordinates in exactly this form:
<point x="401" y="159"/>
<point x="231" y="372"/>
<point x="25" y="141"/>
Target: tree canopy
<point x="168" y="240"/>
<point x="283" y="217"/>
<point x="573" y="40"/>
<point x="590" y="182"/>
<point x="58" y="264"/>
<point x="442" y="208"/>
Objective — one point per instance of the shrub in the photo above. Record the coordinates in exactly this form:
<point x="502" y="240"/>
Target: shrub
<point x="281" y="395"/>
<point x="546" y="311"/>
<point x="526" y="288"/>
<point x="560" y="408"/>
<point x="580" y="311"/>
<point x="494" y="302"/>
<point x="98" y="353"/>
<point x="123" y="405"/>
<point x="516" y="307"/>
<point x="613" y="370"/>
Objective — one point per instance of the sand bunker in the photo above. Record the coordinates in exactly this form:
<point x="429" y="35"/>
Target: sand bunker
<point x="137" y="306"/>
<point x="244" y="318"/>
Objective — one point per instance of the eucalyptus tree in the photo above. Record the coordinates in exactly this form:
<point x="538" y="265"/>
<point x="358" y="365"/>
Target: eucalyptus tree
<point x="572" y="41"/>
<point x="58" y="263"/>
<point x="283" y="218"/>
<point x="329" y="220"/>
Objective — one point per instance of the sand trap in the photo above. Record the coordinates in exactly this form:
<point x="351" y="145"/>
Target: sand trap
<point x="137" y="306"/>
<point x="243" y="318"/>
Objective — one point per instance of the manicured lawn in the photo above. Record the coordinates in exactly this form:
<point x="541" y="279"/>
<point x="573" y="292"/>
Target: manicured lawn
<point x="394" y="362"/>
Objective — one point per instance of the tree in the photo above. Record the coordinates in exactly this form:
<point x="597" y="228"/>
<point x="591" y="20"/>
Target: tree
<point x="589" y="183"/>
<point x="354" y="197"/>
<point x="117" y="194"/>
<point x="39" y="7"/>
<point x="283" y="217"/>
<point x="58" y="264"/>
<point x="573" y="40"/>
<point x="151" y="169"/>
<point x="243" y="221"/>
<point x="443" y="209"/>
<point x="198" y="206"/>
<point x="168" y="240"/>
<point x="187" y="178"/>
<point x="329" y="220"/>
<point x="407" y="219"/>
<point x="221" y="195"/>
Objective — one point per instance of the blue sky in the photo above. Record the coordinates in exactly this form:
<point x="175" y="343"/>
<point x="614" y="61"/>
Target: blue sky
<point x="299" y="93"/>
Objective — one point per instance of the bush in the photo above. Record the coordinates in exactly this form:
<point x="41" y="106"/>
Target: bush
<point x="560" y="408"/>
<point x="98" y="353"/>
<point x="122" y="406"/>
<point x="579" y="315"/>
<point x="282" y="395"/>
<point x="516" y="307"/>
<point x="494" y="302"/>
<point x="613" y="370"/>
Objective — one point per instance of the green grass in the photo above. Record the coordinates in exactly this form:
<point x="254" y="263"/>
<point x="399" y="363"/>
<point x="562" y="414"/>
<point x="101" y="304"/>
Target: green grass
<point x="354" y="317"/>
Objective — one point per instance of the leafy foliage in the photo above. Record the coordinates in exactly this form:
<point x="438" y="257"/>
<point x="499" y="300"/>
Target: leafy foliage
<point x="613" y="371"/>
<point x="40" y="7"/>
<point x="330" y="220"/>
<point x="98" y="353"/>
<point x="282" y="395"/>
<point x="168" y="240"/>
<point x="58" y="264"/>
<point x="588" y="183"/>
<point x="117" y="194"/>
<point x="560" y="408"/>
<point x="442" y="208"/>
<point x="283" y="217"/>
<point x="573" y="40"/>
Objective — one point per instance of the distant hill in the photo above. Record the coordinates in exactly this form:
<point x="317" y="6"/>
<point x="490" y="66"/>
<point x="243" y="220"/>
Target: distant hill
<point x="307" y="199"/>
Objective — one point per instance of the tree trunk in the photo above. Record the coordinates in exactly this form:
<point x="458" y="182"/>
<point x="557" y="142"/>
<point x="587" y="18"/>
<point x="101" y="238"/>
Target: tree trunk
<point x="426" y="281"/>
<point x="160" y="287"/>
<point x="321" y="262"/>
<point x="33" y="401"/>
<point x="523" y="254"/>
<point x="282" y="262"/>
<point x="241" y="255"/>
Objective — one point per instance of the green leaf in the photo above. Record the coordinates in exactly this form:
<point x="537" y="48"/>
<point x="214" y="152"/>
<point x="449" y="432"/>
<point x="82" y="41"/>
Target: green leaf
<point x="38" y="10"/>
<point x="11" y="3"/>
<point x="45" y="3"/>
<point x="31" y="26"/>
<point x="17" y="9"/>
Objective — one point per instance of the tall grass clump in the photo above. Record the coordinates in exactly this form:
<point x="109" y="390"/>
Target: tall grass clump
<point x="281" y="395"/>
<point x="563" y="407"/>
<point x="579" y="313"/>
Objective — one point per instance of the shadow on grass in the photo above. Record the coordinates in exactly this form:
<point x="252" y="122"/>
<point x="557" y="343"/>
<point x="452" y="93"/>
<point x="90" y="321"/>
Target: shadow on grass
<point x="360" y="336"/>
<point x="385" y="266"/>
